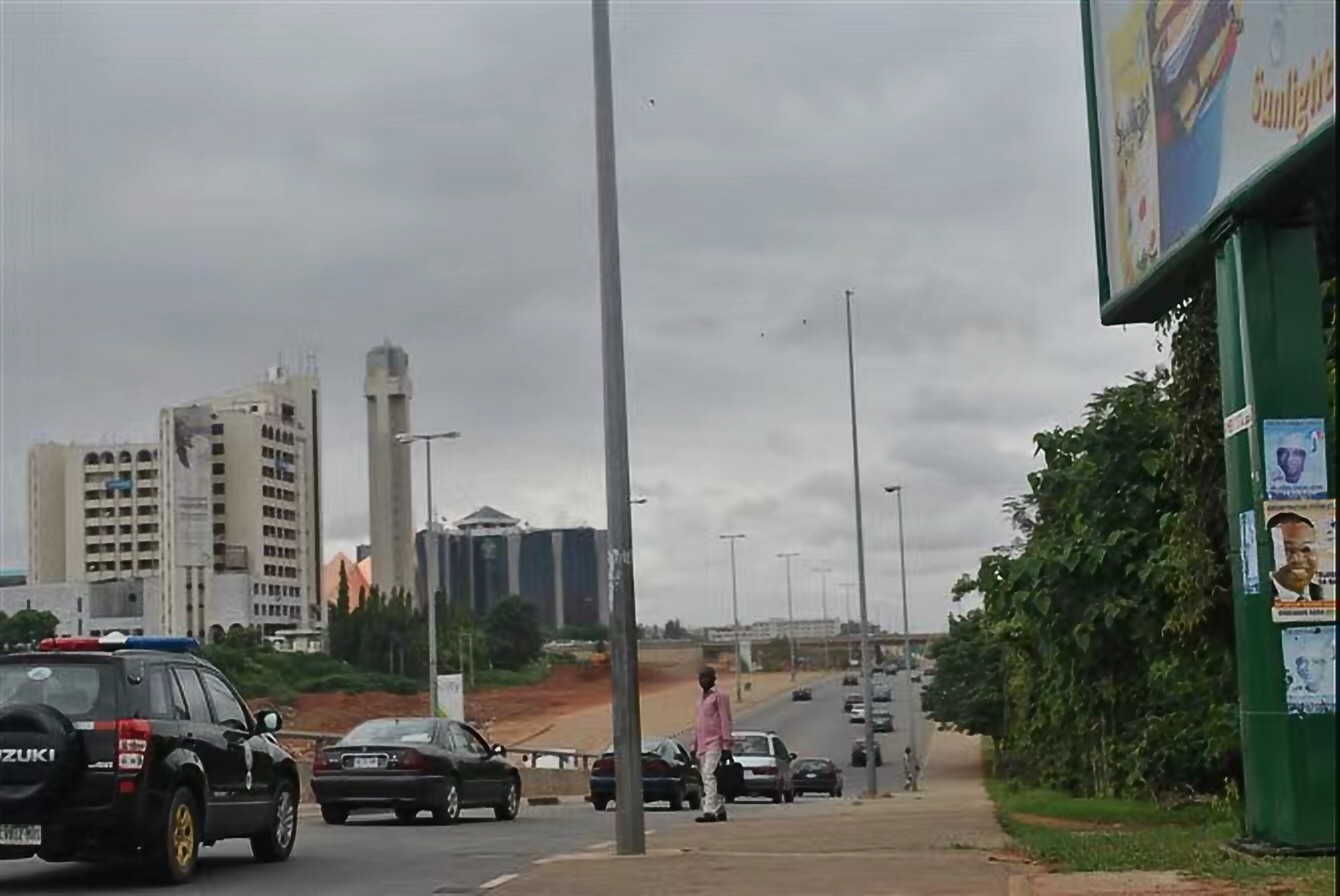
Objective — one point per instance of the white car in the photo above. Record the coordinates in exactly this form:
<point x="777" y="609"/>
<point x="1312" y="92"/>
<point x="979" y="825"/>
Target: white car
<point x="857" y="714"/>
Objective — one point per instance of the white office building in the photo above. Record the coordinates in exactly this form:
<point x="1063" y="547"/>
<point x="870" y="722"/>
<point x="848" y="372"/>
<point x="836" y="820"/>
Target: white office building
<point x="772" y="629"/>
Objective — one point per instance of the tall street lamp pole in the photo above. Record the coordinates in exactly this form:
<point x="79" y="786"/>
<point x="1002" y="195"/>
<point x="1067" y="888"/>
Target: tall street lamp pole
<point x="428" y="439"/>
<point x="823" y="602"/>
<point x="897" y="491"/>
<point x="630" y="833"/>
<point x="790" y="611"/>
<point x="871" y="781"/>
<point x="735" y="611"/>
<point x="846" y="604"/>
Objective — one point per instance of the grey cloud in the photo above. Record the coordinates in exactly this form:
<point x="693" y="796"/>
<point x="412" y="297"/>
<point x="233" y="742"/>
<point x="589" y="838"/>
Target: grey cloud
<point x="190" y="190"/>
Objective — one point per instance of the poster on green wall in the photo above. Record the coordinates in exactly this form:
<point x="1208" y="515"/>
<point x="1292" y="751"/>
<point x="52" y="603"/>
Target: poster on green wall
<point x="1309" y="669"/>
<point x="1302" y="577"/>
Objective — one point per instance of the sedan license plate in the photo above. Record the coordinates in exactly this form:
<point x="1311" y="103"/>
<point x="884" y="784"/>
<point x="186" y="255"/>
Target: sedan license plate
<point x="20" y="835"/>
<point x="367" y="762"/>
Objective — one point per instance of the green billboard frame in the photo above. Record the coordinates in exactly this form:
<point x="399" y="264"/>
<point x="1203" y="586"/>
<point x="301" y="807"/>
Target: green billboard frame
<point x="1161" y="289"/>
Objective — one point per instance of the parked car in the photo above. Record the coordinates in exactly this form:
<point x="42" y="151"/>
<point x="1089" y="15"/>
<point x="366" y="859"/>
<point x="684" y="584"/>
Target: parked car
<point x="851" y="679"/>
<point x="916" y="678"/>
<point x="881" y="693"/>
<point x="858" y="757"/>
<point x="850" y="700"/>
<point x="414" y="765"/>
<point x="817" y="776"/>
<point x="802" y="694"/>
<point x="668" y="775"/>
<point x="882" y="720"/>
<point x="857" y="714"/>
<point x="767" y="764"/>
<point x="122" y="747"/>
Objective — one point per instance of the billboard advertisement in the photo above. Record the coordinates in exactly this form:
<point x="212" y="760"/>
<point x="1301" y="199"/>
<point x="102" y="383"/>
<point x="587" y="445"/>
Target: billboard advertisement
<point x="1191" y="102"/>
<point x="190" y="465"/>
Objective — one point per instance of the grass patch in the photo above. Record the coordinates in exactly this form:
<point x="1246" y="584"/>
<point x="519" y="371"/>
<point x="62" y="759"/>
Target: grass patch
<point x="534" y="673"/>
<point x="1130" y="835"/>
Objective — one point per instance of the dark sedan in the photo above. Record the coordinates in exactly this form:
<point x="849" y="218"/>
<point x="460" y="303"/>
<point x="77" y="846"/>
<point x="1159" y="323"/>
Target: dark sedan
<point x="800" y="694"/>
<point x="668" y="775"/>
<point x="858" y="758"/>
<point x="817" y="776"/>
<point x="850" y="679"/>
<point x="882" y="720"/>
<point x="411" y="766"/>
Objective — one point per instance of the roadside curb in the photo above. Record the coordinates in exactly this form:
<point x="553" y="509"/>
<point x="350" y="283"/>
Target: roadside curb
<point x="557" y="800"/>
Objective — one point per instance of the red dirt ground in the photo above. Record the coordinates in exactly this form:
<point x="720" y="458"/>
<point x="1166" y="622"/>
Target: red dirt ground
<point x="567" y="689"/>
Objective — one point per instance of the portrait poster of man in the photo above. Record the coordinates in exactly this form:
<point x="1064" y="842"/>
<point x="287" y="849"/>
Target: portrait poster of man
<point x="1302" y="577"/>
<point x="1295" y="458"/>
<point x="1309" y="668"/>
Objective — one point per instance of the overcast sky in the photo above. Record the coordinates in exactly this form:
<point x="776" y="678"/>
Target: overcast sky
<point x="192" y="191"/>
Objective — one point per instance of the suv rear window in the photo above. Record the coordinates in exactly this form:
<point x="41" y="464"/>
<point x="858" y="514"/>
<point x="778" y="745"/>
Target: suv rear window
<point x="82" y="691"/>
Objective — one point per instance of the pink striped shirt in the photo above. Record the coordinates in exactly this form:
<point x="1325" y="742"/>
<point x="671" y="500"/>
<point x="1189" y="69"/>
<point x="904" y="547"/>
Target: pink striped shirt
<point x="711" y="722"/>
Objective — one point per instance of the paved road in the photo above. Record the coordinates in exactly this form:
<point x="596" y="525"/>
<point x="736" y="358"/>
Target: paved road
<point x="376" y="855"/>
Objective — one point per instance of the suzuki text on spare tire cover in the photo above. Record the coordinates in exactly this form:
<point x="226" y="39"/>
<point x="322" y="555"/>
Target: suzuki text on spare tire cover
<point x="133" y="747"/>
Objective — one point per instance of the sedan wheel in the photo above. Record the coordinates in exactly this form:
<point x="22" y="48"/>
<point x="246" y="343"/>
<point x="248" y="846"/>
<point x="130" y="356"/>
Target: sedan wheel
<point x="511" y="804"/>
<point x="449" y="812"/>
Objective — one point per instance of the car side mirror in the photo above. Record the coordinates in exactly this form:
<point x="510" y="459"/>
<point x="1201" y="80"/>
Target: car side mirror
<point x="793" y="757"/>
<point x="269" y="721"/>
<point x="497" y="750"/>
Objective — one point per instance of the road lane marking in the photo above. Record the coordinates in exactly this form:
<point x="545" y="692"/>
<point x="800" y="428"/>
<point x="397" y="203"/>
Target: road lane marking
<point x="497" y="881"/>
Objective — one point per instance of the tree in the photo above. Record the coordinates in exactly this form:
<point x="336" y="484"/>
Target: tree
<point x="967" y="692"/>
<point x="674" y="630"/>
<point x="26" y="628"/>
<point x="514" y="634"/>
<point x="584" y="632"/>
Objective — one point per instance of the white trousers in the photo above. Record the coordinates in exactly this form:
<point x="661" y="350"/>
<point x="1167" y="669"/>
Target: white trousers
<point x="707" y="763"/>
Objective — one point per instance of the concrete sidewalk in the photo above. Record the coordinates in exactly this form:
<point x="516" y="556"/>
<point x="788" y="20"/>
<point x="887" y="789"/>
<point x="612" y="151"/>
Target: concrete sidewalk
<point x="943" y="840"/>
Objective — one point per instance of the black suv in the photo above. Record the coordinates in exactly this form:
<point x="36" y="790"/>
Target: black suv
<point x="108" y="751"/>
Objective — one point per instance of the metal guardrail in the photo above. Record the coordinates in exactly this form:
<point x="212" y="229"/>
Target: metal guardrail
<point x="527" y="758"/>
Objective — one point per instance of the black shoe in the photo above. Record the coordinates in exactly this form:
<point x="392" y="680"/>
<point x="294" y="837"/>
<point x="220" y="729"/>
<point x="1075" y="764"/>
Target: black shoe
<point x="705" y="819"/>
<point x="721" y="815"/>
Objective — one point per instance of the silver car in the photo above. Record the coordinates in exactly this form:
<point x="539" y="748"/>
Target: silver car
<point x="767" y="764"/>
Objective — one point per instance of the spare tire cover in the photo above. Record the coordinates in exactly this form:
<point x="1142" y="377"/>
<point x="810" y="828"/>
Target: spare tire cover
<point x="40" y="753"/>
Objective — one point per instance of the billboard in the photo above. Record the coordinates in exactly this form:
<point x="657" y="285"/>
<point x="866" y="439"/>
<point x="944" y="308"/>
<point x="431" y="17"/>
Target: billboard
<point x="1193" y="104"/>
<point x="190" y="466"/>
<point x="451" y="697"/>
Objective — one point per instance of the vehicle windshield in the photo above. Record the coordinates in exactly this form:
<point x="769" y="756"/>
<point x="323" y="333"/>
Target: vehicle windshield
<point x="391" y="731"/>
<point x="751" y="745"/>
<point x="81" y="691"/>
<point x="648" y="746"/>
<point x="812" y="765"/>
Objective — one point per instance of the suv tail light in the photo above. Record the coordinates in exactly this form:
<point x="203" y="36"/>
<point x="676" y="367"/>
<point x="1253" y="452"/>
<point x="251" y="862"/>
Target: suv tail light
<point x="132" y="743"/>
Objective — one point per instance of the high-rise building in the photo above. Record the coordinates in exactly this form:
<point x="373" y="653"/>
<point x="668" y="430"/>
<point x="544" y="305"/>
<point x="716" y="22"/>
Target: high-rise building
<point x="490" y="555"/>
<point x="241" y="484"/>
<point x="224" y="509"/>
<point x="93" y="512"/>
<point x="390" y="522"/>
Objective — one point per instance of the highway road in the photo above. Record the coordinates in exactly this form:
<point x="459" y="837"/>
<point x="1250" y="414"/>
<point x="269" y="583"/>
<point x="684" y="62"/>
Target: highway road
<point x="376" y="855"/>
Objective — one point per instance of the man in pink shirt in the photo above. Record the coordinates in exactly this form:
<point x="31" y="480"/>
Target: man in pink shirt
<point x="711" y="741"/>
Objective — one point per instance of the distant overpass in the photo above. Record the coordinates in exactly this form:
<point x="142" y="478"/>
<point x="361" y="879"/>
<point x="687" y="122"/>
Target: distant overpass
<point x="892" y="643"/>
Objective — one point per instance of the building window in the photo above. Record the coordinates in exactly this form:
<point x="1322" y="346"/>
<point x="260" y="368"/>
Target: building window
<point x="218" y="509"/>
<point x="218" y="469"/>
<point x="106" y="457"/>
<point x="217" y="488"/>
<point x="147" y="493"/>
<point x="90" y="459"/>
<point x="216" y="429"/>
<point x="216" y="449"/>
<point x="144" y="510"/>
<point x="126" y="511"/>
<point x="124" y="457"/>
<point x="144" y="456"/>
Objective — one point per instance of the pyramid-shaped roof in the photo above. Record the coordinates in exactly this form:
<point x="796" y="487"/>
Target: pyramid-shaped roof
<point x="487" y="517"/>
<point x="354" y="574"/>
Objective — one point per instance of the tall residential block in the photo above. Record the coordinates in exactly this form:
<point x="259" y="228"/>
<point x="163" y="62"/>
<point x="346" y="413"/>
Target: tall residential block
<point x="390" y="492"/>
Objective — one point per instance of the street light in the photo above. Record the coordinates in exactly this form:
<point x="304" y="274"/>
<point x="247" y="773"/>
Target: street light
<point x="735" y="611"/>
<point x="871" y="781"/>
<point x="428" y="438"/>
<point x="790" y="611"/>
<point x="897" y="491"/>
<point x="823" y="602"/>
<point x="630" y="832"/>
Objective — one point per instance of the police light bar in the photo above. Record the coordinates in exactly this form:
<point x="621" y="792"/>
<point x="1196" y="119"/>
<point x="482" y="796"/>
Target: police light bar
<point x="119" y="641"/>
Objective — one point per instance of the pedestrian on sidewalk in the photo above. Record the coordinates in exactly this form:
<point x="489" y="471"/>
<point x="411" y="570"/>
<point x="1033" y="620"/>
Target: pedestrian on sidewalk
<point x="911" y="769"/>
<point x="711" y="741"/>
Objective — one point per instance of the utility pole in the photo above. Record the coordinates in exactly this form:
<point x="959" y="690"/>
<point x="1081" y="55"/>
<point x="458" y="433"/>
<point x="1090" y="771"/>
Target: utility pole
<point x="823" y="602"/>
<point x="406" y="438"/>
<point x="912" y="713"/>
<point x="846" y="635"/>
<point x="735" y="611"/>
<point x="790" y="612"/>
<point x="871" y="781"/>
<point x="630" y="832"/>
